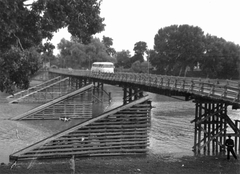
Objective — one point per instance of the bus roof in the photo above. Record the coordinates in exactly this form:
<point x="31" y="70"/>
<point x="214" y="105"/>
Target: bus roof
<point x="103" y="63"/>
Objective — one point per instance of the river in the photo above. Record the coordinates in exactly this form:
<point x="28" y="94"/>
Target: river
<point x="171" y="131"/>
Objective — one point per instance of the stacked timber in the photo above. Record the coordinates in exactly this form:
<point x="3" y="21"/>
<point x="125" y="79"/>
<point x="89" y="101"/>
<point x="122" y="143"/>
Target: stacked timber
<point x="121" y="131"/>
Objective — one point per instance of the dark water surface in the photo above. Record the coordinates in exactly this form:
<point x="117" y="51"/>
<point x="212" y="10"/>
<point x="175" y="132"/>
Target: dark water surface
<point x="171" y="131"/>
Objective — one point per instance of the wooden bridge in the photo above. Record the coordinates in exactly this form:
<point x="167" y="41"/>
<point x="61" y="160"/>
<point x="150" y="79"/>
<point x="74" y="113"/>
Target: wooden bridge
<point x="124" y="130"/>
<point x="226" y="91"/>
<point x="212" y="98"/>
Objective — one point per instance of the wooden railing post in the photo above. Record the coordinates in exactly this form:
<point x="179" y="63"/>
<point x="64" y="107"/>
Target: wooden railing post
<point x="190" y="89"/>
<point x="201" y="86"/>
<point x="168" y="82"/>
<point x="237" y="98"/>
<point x="183" y="84"/>
<point x="161" y="84"/>
<point x="224" y="91"/>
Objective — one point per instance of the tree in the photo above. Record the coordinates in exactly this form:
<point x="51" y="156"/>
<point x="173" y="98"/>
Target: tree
<point x="178" y="47"/>
<point x="123" y="59"/>
<point x="139" y="48"/>
<point x="98" y="52"/>
<point x="221" y="58"/>
<point x="47" y="52"/>
<point x="65" y="51"/>
<point x="231" y="53"/>
<point x="24" y="26"/>
<point x="108" y="42"/>
<point x="153" y="57"/>
<point x="141" y="67"/>
<point x="136" y="67"/>
<point x="77" y="55"/>
<point x="16" y="67"/>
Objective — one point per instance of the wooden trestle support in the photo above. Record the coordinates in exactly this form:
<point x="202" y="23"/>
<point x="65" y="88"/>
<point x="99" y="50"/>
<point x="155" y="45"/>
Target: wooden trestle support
<point x="212" y="125"/>
<point x="99" y="91"/>
<point x="131" y="94"/>
<point x="44" y="92"/>
<point x="49" y="90"/>
<point x="120" y="131"/>
<point x="74" y="105"/>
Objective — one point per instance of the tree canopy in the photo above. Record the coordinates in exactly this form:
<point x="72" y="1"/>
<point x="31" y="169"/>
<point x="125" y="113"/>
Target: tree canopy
<point x="220" y="59"/>
<point x="123" y="59"/>
<point x="141" y="67"/>
<point x="24" y="26"/>
<point x="178" y="47"/>
<point x="181" y="47"/>
<point x="140" y="48"/>
<point x="108" y="42"/>
<point x="78" y="55"/>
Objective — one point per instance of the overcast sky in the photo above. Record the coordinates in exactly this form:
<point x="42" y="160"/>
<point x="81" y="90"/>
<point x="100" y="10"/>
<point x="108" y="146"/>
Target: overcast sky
<point x="131" y="21"/>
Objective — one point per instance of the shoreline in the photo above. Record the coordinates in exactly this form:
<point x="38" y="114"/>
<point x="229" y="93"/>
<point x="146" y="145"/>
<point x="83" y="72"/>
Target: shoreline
<point x="149" y="164"/>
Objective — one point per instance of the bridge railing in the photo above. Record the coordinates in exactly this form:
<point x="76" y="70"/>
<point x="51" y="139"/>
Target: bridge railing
<point x="228" y="90"/>
<point x="219" y="89"/>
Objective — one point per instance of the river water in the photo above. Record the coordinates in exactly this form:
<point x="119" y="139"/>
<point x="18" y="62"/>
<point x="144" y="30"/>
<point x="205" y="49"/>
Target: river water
<point x="171" y="131"/>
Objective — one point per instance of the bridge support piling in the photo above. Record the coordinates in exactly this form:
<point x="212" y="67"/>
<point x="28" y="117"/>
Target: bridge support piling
<point x="212" y="125"/>
<point x="78" y="82"/>
<point x="237" y="138"/>
<point x="99" y="91"/>
<point x="131" y="93"/>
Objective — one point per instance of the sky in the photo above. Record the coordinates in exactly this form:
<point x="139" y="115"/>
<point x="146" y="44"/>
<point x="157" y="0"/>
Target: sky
<point x="130" y="21"/>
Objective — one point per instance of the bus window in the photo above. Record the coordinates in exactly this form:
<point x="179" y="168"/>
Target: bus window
<point x="106" y="67"/>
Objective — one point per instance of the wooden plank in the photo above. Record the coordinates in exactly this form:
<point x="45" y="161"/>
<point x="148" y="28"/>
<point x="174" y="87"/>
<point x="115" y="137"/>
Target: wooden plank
<point x="89" y="131"/>
<point x="231" y="124"/>
<point x="120" y="122"/>
<point x="86" y="149"/>
<point x="103" y="133"/>
<point x="92" y="143"/>
<point x="89" y="153"/>
<point x="82" y="147"/>
<point x="57" y="118"/>
<point x="113" y="130"/>
<point x="120" y="126"/>
<point x="89" y="138"/>
<point x="208" y="116"/>
<point x="132" y="137"/>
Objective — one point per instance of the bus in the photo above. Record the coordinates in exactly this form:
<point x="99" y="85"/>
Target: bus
<point x="105" y="67"/>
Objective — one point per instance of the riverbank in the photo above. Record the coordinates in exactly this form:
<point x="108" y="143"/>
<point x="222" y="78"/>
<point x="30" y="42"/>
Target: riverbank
<point x="150" y="164"/>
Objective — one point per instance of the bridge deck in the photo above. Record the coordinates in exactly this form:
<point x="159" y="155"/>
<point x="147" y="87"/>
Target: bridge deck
<point x="225" y="90"/>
